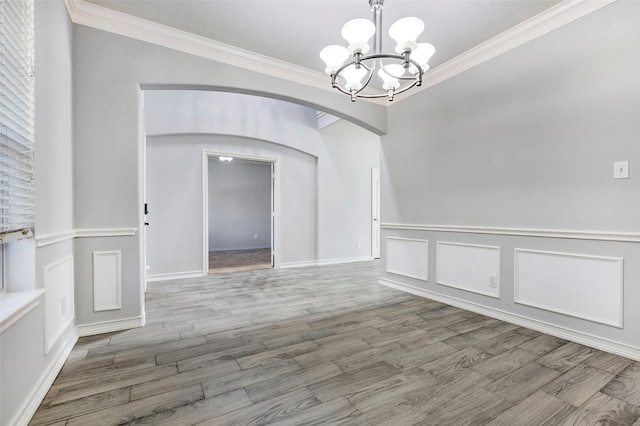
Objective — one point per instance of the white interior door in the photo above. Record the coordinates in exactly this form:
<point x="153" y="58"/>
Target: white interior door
<point x="375" y="212"/>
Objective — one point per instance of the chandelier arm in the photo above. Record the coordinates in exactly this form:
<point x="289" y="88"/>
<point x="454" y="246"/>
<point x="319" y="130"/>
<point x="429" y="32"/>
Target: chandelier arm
<point x="400" y="57"/>
<point x="384" y="95"/>
<point x="376" y="56"/>
<point x="365" y="84"/>
<point x="347" y="92"/>
<point x="417" y="79"/>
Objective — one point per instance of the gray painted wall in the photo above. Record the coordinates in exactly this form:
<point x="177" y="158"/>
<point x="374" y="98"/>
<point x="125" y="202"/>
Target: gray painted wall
<point x="324" y="186"/>
<point x="345" y="191"/>
<point x="176" y="112"/>
<point x="239" y="205"/>
<point x="174" y="193"/>
<point x="108" y="70"/>
<point x="23" y="362"/>
<point x="527" y="140"/>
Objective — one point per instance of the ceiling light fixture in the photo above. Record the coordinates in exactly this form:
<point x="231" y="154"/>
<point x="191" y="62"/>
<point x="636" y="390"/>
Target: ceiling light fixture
<point x="377" y="75"/>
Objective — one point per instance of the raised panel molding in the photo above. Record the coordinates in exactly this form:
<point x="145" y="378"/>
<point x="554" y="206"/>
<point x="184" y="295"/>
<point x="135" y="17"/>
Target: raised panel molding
<point x="582" y="286"/>
<point x="408" y="257"/>
<point x="468" y="267"/>
<point x="107" y="280"/>
<point x="58" y="300"/>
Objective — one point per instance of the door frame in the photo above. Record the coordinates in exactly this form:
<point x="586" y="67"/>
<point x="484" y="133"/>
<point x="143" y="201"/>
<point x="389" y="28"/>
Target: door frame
<point x="375" y="212"/>
<point x="275" y="204"/>
<point x="142" y="200"/>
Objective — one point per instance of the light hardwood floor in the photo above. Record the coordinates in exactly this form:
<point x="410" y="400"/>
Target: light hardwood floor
<point x="328" y="345"/>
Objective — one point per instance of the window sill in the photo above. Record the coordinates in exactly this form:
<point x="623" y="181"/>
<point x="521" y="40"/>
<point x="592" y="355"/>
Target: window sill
<point x="15" y="305"/>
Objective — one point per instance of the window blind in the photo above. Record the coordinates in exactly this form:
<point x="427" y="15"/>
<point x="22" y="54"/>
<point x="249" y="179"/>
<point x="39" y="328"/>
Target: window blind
<point x="16" y="119"/>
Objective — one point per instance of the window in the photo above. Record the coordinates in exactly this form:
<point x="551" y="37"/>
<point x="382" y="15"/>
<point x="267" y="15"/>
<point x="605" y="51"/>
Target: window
<point x="16" y="120"/>
<point x="1" y="268"/>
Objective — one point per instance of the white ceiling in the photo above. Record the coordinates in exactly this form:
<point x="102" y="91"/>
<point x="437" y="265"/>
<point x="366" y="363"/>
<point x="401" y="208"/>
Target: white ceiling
<point x="295" y="31"/>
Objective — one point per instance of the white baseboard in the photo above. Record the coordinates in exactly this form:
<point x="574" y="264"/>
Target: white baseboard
<point x="110" y="326"/>
<point x="596" y="342"/>
<point x="344" y="260"/>
<point x="288" y="265"/>
<point x="174" y="276"/>
<point x="34" y="399"/>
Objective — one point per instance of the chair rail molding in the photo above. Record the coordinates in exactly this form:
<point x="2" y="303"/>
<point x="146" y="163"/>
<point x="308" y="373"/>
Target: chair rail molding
<point x="59" y="237"/>
<point x="627" y="237"/>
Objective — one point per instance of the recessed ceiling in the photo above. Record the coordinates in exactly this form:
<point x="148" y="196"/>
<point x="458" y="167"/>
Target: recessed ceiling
<point x="295" y="31"/>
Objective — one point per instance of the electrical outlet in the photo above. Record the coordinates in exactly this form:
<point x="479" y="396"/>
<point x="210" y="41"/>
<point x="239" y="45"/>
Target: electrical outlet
<point x="621" y="170"/>
<point x="359" y="244"/>
<point x="493" y="280"/>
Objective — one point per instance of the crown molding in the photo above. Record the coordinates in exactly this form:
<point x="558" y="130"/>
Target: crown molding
<point x="101" y="18"/>
<point x="105" y="19"/>
<point x="551" y="19"/>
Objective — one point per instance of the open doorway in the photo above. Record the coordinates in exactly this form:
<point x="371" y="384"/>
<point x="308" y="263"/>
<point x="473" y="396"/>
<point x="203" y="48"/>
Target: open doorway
<point x="240" y="213"/>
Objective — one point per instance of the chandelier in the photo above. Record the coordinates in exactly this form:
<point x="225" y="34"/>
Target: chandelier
<point x="361" y="75"/>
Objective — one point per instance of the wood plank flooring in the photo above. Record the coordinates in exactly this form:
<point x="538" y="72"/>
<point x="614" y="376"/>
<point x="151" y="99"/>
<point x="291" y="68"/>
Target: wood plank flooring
<point x="239" y="260"/>
<point x="328" y="345"/>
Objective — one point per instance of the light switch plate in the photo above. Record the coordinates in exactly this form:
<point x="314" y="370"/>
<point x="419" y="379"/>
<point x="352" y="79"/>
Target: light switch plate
<point x="621" y="170"/>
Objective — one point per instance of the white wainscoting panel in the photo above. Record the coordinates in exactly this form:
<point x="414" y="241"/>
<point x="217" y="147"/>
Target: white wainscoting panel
<point x="469" y="267"/>
<point x="58" y="300"/>
<point x="582" y="286"/>
<point x="408" y="257"/>
<point x="107" y="280"/>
